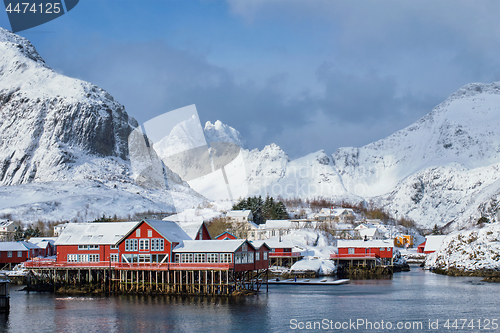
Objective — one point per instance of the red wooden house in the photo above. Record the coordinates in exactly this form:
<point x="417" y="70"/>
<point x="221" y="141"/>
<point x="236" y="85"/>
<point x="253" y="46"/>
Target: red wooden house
<point x="433" y="243"/>
<point x="13" y="253"/>
<point x="365" y="251"/>
<point x="33" y="249"/>
<point x="84" y="243"/>
<point x="226" y="235"/>
<point x="46" y="243"/>
<point x="238" y="255"/>
<point x="282" y="253"/>
<point x="151" y="241"/>
<point x="262" y="251"/>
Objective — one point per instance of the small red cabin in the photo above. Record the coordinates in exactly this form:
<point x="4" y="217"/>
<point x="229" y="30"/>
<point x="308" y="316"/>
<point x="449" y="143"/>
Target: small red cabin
<point x="239" y="254"/>
<point x="13" y="253"/>
<point x="420" y="248"/>
<point x="226" y="235"/>
<point x="377" y="250"/>
<point x="433" y="243"/>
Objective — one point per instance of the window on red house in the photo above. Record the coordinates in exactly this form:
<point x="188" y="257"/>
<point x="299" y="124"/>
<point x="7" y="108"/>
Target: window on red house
<point x="143" y="244"/>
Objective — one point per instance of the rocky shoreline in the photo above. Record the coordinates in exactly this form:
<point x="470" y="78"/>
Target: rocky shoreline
<point x="488" y="275"/>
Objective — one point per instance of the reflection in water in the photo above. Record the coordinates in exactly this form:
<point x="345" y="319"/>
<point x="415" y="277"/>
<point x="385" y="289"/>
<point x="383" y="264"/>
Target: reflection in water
<point x="409" y="296"/>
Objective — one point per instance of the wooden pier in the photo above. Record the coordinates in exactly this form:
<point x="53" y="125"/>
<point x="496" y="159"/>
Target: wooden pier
<point x="142" y="278"/>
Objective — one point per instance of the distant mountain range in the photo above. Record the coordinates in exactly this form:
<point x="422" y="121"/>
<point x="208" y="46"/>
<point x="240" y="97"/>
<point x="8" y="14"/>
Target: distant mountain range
<point x="65" y="153"/>
<point x="443" y="169"/>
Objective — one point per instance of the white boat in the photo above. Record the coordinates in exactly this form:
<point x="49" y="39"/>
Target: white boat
<point x="309" y="282"/>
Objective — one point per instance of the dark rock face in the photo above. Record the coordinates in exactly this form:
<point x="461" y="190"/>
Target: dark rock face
<point x="50" y="123"/>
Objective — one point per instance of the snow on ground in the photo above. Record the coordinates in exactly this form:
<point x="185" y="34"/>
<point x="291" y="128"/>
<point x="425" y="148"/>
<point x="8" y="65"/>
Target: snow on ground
<point x="468" y="250"/>
<point x="311" y="242"/>
<point x="195" y="214"/>
<point x="322" y="266"/>
<point x="82" y="201"/>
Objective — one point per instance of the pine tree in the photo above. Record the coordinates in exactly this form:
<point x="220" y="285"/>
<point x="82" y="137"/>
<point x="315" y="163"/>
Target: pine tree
<point x="19" y="234"/>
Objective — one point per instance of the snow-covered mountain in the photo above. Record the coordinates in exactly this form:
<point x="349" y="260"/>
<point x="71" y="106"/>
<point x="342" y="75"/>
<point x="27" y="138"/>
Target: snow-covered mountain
<point x="441" y="170"/>
<point x="57" y="129"/>
<point x="219" y="132"/>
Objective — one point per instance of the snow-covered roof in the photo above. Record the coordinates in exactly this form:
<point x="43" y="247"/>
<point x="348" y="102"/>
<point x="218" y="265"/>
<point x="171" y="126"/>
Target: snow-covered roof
<point x="12" y="246"/>
<point x="5" y="223"/>
<point x="29" y="245"/>
<point x="257" y="244"/>
<point x="228" y="245"/>
<point x="253" y="225"/>
<point x="42" y="240"/>
<point x="344" y="226"/>
<point x="239" y="213"/>
<point x="274" y="243"/>
<point x="279" y="224"/>
<point x="368" y="232"/>
<point x="343" y="243"/>
<point x="191" y="228"/>
<point x="95" y="233"/>
<point x="169" y="229"/>
<point x="433" y="242"/>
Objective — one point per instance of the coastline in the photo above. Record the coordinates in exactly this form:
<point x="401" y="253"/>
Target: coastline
<point x="488" y="275"/>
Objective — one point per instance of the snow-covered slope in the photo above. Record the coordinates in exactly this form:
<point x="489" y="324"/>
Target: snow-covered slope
<point x="57" y="129"/>
<point x="443" y="168"/>
<point x="469" y="250"/>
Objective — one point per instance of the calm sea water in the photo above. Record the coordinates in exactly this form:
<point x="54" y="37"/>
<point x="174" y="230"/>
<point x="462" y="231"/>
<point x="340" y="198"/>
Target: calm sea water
<point x="408" y="299"/>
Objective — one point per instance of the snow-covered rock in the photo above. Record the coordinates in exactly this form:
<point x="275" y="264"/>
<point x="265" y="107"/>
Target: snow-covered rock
<point x="468" y="250"/>
<point x="219" y="132"/>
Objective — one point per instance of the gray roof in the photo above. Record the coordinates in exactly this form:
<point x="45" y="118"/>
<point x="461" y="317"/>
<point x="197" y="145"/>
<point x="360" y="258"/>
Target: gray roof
<point x="169" y="229"/>
<point x="95" y="233"/>
<point x="30" y="245"/>
<point x="44" y="240"/>
<point x="228" y="245"/>
<point x="12" y="246"/>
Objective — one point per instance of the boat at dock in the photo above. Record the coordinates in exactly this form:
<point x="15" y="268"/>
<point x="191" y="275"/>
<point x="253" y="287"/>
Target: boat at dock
<point x="309" y="282"/>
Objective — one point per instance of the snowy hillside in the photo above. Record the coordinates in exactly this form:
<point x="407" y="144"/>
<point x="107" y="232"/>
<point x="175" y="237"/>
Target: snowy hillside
<point x="442" y="168"/>
<point x="473" y="249"/>
<point x="57" y="129"/>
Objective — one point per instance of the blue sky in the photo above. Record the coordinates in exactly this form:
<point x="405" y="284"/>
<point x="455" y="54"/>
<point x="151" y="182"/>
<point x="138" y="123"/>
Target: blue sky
<point x="306" y="75"/>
